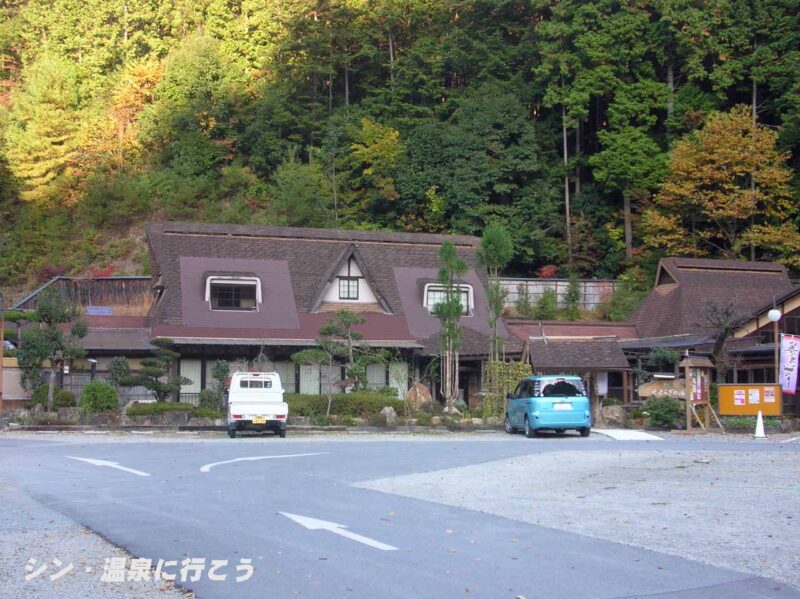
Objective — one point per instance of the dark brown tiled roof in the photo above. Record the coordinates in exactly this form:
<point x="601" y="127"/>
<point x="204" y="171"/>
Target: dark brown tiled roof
<point x="294" y="266"/>
<point x="574" y="356"/>
<point x="523" y="328"/>
<point x="675" y="308"/>
<point x="473" y="343"/>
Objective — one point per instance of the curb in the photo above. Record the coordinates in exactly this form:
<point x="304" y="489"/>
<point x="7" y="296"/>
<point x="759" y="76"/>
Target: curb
<point x="297" y="428"/>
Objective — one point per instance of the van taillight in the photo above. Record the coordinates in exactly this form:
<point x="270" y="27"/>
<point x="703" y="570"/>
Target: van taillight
<point x="281" y="416"/>
<point x="237" y="416"/>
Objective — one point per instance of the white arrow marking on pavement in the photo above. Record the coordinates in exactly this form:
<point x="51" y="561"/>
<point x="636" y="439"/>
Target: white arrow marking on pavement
<point x="208" y="467"/>
<point x="337" y="529"/>
<point x="109" y="465"/>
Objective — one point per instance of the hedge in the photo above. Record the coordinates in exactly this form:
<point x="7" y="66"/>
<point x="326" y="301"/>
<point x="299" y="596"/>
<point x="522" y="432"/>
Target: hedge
<point x="354" y="404"/>
<point x="158" y="408"/>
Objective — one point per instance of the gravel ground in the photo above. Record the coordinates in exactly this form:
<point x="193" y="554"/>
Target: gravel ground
<point x="738" y="510"/>
<point x="31" y="531"/>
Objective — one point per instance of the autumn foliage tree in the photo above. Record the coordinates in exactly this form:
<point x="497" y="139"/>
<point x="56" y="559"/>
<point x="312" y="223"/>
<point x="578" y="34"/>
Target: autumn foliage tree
<point x="727" y="193"/>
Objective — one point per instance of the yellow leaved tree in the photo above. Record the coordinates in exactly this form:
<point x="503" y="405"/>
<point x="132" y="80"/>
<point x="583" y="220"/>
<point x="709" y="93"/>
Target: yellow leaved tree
<point x="727" y="194"/>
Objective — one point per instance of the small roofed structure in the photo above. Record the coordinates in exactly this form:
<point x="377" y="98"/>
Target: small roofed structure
<point x="686" y="287"/>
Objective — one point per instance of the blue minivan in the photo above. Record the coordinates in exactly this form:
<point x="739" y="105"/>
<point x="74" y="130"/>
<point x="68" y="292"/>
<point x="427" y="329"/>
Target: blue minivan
<point x="549" y="402"/>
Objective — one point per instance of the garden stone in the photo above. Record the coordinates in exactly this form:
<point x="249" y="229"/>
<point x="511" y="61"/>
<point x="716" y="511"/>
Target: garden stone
<point x="200" y="422"/>
<point x="175" y="418"/>
<point x="390" y="415"/>
<point x="69" y="415"/>
<point x="299" y="420"/>
<point x="611" y="417"/>
<point x="418" y="395"/>
<point x="477" y="421"/>
<point x="38" y="409"/>
<point x="22" y="414"/>
<point x="436" y="421"/>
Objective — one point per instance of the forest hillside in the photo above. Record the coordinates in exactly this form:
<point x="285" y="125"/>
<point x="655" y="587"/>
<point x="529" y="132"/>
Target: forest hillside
<point x="602" y="134"/>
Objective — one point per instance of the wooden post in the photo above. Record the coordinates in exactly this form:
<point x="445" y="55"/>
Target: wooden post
<point x="625" y="398"/>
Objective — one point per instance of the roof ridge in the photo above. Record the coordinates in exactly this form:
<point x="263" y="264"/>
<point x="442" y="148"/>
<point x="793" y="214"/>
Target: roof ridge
<point x="308" y="233"/>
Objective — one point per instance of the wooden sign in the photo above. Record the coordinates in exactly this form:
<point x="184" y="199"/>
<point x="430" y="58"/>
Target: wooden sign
<point x="747" y="400"/>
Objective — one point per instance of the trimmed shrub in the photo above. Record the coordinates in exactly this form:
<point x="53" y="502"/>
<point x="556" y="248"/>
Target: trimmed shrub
<point x="343" y="404"/>
<point x="61" y="398"/>
<point x="210" y="399"/>
<point x="423" y="418"/>
<point x="98" y="396"/>
<point x="663" y="412"/>
<point x="158" y="408"/>
<point x="210" y="412"/>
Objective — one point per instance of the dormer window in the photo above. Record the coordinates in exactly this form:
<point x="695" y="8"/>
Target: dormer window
<point x="233" y="293"/>
<point x="348" y="288"/>
<point x="435" y="294"/>
<point x="349" y="281"/>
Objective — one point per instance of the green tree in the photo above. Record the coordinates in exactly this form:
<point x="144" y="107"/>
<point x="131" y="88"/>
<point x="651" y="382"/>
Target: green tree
<point x="449" y="312"/>
<point x="631" y="163"/>
<point x="57" y="338"/>
<point x="157" y="371"/>
<point x="300" y="195"/>
<point x="42" y="134"/>
<point x="495" y="253"/>
<point x="572" y="301"/>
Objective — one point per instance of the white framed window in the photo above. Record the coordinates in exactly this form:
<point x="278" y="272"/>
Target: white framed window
<point x="435" y="294"/>
<point x="233" y="293"/>
<point x="348" y="288"/>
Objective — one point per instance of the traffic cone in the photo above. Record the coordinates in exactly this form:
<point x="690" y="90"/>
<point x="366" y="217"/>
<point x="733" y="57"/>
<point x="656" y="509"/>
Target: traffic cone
<point x="759" y="434"/>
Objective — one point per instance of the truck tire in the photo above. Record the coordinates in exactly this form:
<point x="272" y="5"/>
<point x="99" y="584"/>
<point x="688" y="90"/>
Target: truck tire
<point x="232" y="433"/>
<point x="282" y="433"/>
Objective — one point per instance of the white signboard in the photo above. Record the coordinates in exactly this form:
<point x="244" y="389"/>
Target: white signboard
<point x="790" y="350"/>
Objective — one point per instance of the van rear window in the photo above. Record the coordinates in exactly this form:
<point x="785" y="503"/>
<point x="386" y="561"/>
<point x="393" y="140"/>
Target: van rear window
<point x="562" y="388"/>
<point x="250" y="384"/>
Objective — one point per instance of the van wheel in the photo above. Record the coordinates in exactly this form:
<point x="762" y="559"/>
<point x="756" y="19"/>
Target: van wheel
<point x="585" y="431"/>
<point x="232" y="433"/>
<point x="282" y="433"/>
<point x="507" y="426"/>
<point x="529" y="432"/>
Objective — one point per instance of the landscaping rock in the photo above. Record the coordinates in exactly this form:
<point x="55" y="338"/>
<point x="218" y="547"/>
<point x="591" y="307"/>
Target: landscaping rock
<point x="21" y="415"/>
<point x="611" y="417"/>
<point x="494" y="421"/>
<point x="418" y="395"/>
<point x="476" y="421"/>
<point x="69" y="415"/>
<point x="102" y="419"/>
<point x="37" y="410"/>
<point x="436" y="421"/>
<point x="299" y="420"/>
<point x="175" y="418"/>
<point x="390" y="415"/>
<point x="200" y="422"/>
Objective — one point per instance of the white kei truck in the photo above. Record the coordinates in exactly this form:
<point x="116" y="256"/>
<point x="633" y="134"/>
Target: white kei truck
<point x="255" y="403"/>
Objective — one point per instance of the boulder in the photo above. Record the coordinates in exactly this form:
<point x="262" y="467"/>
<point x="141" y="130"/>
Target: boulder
<point x="611" y="417"/>
<point x="418" y="395"/>
<point x="69" y="415"/>
<point x="178" y="418"/>
<point x="37" y="410"/>
<point x="436" y="421"/>
<point x="22" y="415"/>
<point x="390" y="415"/>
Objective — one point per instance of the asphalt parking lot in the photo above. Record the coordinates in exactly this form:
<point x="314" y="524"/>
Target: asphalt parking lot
<point x="472" y="515"/>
